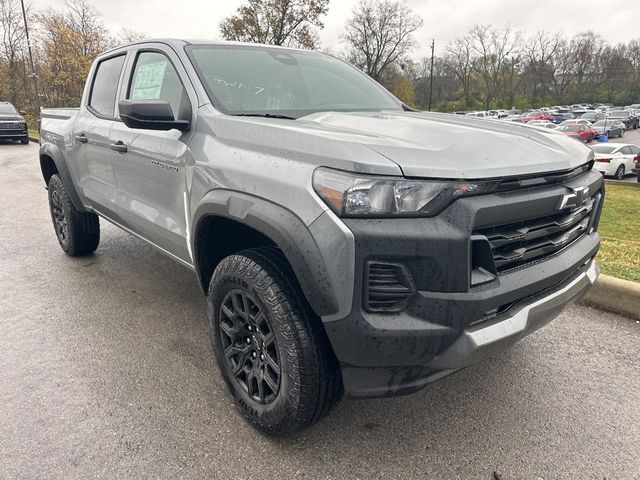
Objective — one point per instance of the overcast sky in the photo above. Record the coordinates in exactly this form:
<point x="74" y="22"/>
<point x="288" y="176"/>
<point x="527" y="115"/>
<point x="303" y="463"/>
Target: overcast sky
<point x="615" y="20"/>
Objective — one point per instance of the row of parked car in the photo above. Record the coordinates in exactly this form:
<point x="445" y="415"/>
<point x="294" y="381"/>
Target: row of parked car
<point x="585" y="122"/>
<point x="582" y="121"/>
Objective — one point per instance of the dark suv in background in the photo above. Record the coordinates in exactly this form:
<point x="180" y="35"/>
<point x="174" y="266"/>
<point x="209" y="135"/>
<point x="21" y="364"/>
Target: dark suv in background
<point x="627" y="117"/>
<point x="13" y="126"/>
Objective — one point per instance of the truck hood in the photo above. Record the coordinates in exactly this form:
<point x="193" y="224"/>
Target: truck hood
<point x="448" y="146"/>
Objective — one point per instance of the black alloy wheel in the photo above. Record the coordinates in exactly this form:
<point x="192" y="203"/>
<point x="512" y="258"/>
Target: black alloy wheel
<point x="59" y="221"/>
<point x="272" y="350"/>
<point x="249" y="346"/>
<point x="78" y="233"/>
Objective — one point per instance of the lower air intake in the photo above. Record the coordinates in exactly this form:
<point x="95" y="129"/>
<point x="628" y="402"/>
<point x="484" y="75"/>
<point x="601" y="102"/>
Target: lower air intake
<point x="389" y="286"/>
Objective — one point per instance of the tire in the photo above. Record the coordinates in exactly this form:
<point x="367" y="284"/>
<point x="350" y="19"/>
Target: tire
<point x="619" y="175"/>
<point x="282" y="334"/>
<point x="78" y="233"/>
<point x="25" y="141"/>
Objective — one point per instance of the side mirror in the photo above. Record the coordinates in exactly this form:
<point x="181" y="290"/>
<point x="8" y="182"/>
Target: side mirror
<point x="150" y="115"/>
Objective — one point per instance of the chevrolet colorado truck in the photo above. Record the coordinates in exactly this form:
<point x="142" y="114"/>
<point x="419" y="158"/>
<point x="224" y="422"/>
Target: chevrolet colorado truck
<point x="347" y="244"/>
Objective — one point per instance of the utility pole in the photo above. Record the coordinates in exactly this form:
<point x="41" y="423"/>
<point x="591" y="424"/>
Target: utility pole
<point x="33" y="69"/>
<point x="433" y="44"/>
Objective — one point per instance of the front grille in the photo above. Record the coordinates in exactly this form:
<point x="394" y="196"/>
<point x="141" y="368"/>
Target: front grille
<point x="519" y="243"/>
<point x="8" y="126"/>
<point x="389" y="286"/>
<point x="538" y="180"/>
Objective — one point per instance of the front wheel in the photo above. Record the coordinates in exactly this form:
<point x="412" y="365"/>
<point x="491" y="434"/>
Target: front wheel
<point x="619" y="175"/>
<point x="24" y="141"/>
<point x="269" y="345"/>
<point x="78" y="233"/>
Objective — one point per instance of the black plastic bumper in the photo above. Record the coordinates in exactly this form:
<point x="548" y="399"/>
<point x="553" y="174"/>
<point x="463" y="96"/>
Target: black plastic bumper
<point x="449" y="324"/>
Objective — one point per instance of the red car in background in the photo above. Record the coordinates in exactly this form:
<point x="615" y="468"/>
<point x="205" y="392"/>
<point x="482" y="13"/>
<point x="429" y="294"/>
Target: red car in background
<point x="584" y="133"/>
<point x="536" y="115"/>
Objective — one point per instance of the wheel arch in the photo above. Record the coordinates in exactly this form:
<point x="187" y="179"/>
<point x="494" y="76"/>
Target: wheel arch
<point x="51" y="163"/>
<point x="266" y="224"/>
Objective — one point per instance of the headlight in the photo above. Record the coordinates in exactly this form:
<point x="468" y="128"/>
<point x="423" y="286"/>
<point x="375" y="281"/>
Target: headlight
<point x="352" y="195"/>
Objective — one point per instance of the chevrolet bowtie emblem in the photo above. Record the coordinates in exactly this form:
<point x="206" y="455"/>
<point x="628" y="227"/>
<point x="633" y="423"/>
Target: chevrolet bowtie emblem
<point x="577" y="198"/>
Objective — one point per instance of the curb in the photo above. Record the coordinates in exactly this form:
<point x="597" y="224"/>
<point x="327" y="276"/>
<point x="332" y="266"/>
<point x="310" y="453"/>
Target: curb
<point x="34" y="139"/>
<point x="615" y="295"/>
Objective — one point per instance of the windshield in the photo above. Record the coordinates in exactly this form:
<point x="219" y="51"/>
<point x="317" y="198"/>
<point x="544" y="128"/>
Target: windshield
<point x="8" y="109"/>
<point x="255" y="80"/>
<point x="604" y="148"/>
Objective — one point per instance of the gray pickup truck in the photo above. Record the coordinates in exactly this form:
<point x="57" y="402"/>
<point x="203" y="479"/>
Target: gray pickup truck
<point x="346" y="243"/>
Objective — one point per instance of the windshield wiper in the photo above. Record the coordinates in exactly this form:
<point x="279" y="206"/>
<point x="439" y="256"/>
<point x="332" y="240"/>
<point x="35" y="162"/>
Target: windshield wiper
<point x="264" y="115"/>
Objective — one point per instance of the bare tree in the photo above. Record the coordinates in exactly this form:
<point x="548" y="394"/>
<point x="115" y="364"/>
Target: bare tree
<point x="496" y="50"/>
<point x="379" y="35"/>
<point x="585" y="48"/>
<point x="11" y="49"/>
<point x="127" y="36"/>
<point x="277" y="22"/>
<point x="540" y="53"/>
<point x="459" y="60"/>
<point x="70" y="39"/>
<point x="616" y="69"/>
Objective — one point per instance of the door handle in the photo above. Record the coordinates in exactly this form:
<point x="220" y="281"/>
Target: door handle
<point x="81" y="137"/>
<point x="119" y="146"/>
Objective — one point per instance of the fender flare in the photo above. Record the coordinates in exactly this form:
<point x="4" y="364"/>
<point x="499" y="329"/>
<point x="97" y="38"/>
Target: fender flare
<point x="52" y="151"/>
<point x="284" y="229"/>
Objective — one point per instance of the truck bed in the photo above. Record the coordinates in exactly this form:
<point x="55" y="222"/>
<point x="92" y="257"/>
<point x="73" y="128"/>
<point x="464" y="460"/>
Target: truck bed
<point x="56" y="122"/>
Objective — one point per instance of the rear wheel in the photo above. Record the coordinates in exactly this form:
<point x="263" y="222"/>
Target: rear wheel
<point x="271" y="348"/>
<point x="619" y="175"/>
<point x="78" y="233"/>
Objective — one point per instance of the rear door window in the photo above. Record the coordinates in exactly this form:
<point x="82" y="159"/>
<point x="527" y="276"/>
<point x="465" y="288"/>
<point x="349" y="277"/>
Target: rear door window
<point x="102" y="99"/>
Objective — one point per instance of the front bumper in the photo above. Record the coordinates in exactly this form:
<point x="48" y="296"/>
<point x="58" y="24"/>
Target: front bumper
<point x="482" y="341"/>
<point x="13" y="134"/>
<point x="451" y="321"/>
<point x="383" y="355"/>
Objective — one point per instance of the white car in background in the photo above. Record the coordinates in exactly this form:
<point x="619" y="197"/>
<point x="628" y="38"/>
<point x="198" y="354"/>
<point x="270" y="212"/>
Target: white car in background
<point x="480" y="115"/>
<point x="542" y="123"/>
<point x="615" y="159"/>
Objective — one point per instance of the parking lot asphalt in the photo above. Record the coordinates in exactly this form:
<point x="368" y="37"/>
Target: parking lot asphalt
<point x="106" y="372"/>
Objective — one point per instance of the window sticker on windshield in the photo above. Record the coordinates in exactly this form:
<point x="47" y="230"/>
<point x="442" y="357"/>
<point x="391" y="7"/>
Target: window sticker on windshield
<point x="147" y="82"/>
